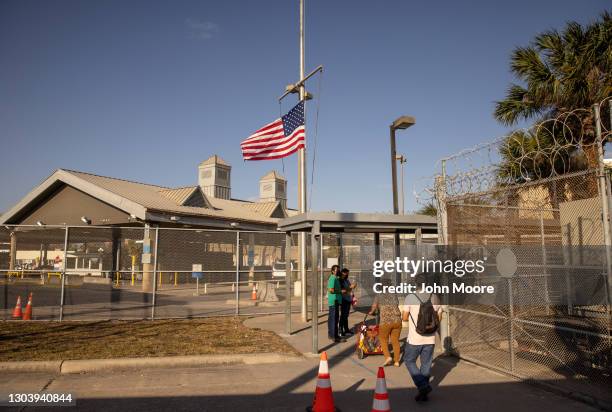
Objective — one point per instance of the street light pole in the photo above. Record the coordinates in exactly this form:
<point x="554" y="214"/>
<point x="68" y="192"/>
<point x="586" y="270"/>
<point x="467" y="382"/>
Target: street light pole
<point x="393" y="171"/>
<point x="402" y="122"/>
<point x="402" y="160"/>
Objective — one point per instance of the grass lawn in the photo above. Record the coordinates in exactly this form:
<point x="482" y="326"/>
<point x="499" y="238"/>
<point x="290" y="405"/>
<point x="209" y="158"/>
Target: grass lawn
<point x="20" y="341"/>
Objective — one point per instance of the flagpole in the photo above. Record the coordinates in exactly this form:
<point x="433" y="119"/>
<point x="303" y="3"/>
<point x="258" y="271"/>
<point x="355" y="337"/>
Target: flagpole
<point x="302" y="176"/>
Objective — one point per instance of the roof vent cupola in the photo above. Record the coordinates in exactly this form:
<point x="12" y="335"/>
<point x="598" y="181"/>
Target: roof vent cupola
<point x="214" y="177"/>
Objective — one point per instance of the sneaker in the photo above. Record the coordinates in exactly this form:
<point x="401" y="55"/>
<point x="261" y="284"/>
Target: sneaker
<point x="423" y="392"/>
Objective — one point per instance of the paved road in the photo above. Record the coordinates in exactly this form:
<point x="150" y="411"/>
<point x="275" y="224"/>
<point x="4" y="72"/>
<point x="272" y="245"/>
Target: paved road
<point x="99" y="302"/>
<point x="458" y="386"/>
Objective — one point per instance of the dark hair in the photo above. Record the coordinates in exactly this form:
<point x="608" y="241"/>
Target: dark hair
<point x="345" y="270"/>
<point x="334" y="267"/>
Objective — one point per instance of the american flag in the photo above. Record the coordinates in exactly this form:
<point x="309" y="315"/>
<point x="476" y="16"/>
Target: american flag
<point x="278" y="139"/>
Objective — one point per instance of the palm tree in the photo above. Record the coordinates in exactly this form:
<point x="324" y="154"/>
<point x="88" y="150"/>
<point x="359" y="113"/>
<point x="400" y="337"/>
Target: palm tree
<point x="428" y="209"/>
<point x="561" y="72"/>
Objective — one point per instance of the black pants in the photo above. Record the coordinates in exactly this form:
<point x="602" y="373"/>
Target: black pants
<point x="345" y="309"/>
<point x="332" y="321"/>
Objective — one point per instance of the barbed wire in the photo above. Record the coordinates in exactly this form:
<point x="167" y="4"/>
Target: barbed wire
<point x="553" y="147"/>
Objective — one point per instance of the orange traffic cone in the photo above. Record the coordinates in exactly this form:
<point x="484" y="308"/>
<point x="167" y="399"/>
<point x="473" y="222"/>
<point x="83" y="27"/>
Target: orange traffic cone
<point x="17" y="310"/>
<point x="27" y="315"/>
<point x="381" y="397"/>
<point x="254" y="293"/>
<point x="324" y="399"/>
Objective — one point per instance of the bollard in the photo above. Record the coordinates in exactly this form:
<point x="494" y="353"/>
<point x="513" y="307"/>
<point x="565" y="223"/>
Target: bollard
<point x="233" y="287"/>
<point x="132" y="278"/>
<point x="205" y="288"/>
<point x="117" y="280"/>
<point x="175" y="278"/>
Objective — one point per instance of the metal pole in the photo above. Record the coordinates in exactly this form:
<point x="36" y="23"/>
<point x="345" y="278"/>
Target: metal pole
<point x="63" y="292"/>
<point x="396" y="236"/>
<point x="544" y="263"/>
<point x="402" y="161"/>
<point x="445" y="331"/>
<point x="315" y="291"/>
<point x="511" y="325"/>
<point x="321" y="272"/>
<point x="302" y="172"/>
<point x="442" y="206"/>
<point x="237" y="273"/>
<point x="393" y="170"/>
<point x="604" y="199"/>
<point x="288" y="283"/>
<point x="154" y="274"/>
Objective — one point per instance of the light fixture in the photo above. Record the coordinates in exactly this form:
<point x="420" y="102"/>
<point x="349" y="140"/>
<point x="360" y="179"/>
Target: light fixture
<point x="234" y="224"/>
<point x="403" y="122"/>
<point x="174" y="218"/>
<point x="39" y="223"/>
<point x="85" y="220"/>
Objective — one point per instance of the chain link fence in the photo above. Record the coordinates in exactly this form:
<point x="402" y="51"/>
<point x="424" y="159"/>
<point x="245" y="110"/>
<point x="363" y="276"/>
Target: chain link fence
<point x="100" y="273"/>
<point x="543" y="195"/>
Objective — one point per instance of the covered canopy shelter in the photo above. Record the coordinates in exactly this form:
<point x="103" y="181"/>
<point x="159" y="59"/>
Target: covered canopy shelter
<point x="332" y="222"/>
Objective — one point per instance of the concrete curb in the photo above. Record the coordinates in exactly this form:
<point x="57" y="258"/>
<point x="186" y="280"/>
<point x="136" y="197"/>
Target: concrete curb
<point x="32" y="366"/>
<point x="97" y="365"/>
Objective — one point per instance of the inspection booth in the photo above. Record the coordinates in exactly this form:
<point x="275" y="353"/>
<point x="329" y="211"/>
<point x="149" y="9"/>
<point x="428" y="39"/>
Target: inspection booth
<point x="317" y="223"/>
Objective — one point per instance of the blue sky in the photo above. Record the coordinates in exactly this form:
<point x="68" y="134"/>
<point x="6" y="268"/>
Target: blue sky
<point x="145" y="90"/>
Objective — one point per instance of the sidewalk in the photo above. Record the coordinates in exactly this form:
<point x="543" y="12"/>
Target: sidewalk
<point x="458" y="386"/>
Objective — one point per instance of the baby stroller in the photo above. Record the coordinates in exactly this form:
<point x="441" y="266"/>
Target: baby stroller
<point x="367" y="340"/>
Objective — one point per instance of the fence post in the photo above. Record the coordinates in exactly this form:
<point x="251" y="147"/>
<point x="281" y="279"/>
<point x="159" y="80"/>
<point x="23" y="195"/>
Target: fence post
<point x="442" y="218"/>
<point x="544" y="263"/>
<point x="568" y="263"/>
<point x="288" y="273"/>
<point x="315" y="236"/>
<point x="320" y="269"/>
<point x="604" y="200"/>
<point x="511" y="324"/>
<point x="62" y="292"/>
<point x="155" y="273"/>
<point x="237" y="272"/>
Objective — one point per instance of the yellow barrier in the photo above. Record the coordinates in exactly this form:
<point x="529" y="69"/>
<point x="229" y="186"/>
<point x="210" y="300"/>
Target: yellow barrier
<point x="15" y="273"/>
<point x="58" y="274"/>
<point x="133" y="266"/>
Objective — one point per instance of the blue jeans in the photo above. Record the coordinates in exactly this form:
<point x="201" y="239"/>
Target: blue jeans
<point x="411" y="353"/>
<point x="333" y="319"/>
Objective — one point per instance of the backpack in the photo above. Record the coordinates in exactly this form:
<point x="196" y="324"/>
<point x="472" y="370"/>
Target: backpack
<point x="427" y="321"/>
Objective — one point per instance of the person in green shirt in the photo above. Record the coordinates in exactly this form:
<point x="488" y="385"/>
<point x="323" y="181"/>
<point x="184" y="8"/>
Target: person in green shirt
<point x="334" y="299"/>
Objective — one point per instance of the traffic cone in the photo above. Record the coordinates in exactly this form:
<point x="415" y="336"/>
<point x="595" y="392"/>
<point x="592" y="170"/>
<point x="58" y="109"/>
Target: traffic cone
<point x="381" y="397"/>
<point x="27" y="314"/>
<point x="17" y="310"/>
<point x="324" y="399"/>
<point x="254" y="293"/>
